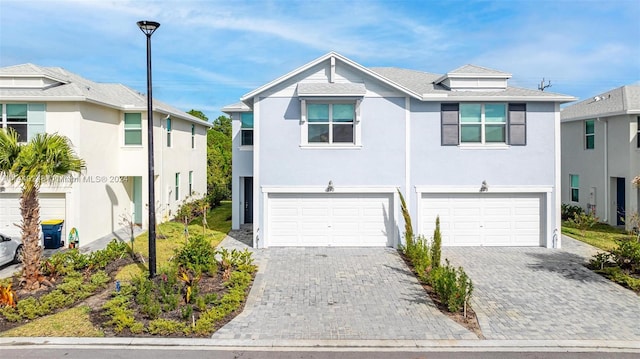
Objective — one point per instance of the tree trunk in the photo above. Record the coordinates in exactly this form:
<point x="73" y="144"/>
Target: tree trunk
<point x="32" y="254"/>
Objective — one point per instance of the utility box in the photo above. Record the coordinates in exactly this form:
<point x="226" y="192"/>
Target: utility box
<point x="52" y="233"/>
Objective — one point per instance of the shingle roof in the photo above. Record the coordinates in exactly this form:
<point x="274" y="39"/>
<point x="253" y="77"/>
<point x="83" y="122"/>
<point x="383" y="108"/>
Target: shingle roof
<point x="475" y="69"/>
<point x="621" y="100"/>
<point x="76" y="88"/>
<point x="423" y="83"/>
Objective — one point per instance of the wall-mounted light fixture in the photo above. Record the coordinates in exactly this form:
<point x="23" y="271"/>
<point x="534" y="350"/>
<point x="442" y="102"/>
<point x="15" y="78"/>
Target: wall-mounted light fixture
<point x="484" y="187"/>
<point x="329" y="187"/>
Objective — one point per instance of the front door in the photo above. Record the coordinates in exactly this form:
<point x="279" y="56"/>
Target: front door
<point x="137" y="200"/>
<point x="620" y="201"/>
<point x="248" y="199"/>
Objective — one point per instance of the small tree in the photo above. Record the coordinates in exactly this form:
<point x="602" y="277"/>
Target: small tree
<point x="583" y="221"/>
<point x="436" y="246"/>
<point x="408" y="228"/>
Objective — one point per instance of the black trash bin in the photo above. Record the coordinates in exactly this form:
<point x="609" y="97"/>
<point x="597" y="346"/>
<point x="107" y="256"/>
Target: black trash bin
<point x="52" y="233"/>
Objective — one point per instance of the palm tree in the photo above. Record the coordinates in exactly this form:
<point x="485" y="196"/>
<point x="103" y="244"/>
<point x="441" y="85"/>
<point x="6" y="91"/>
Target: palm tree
<point x="46" y="158"/>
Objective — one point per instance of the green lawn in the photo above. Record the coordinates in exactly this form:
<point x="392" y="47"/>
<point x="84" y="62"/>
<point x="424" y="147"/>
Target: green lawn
<point x="600" y="235"/>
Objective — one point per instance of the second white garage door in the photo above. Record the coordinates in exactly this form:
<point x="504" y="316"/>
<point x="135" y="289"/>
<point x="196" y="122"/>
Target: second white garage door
<point x="484" y="219"/>
<point x="331" y="219"/>
<point x="52" y="206"/>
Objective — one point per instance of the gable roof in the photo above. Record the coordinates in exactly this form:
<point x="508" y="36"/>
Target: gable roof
<point x="619" y="101"/>
<point x="249" y="96"/>
<point x="423" y="86"/>
<point x="68" y="86"/>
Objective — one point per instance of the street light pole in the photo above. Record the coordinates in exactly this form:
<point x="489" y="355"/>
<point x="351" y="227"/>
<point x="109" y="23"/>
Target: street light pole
<point x="148" y="27"/>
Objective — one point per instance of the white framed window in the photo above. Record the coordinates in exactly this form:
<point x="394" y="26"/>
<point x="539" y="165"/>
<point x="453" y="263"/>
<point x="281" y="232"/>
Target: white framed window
<point x="589" y="134"/>
<point x="27" y="120"/>
<point x="246" y="119"/>
<point x="330" y="123"/>
<point x="190" y="183"/>
<point x="177" y="186"/>
<point x="132" y="129"/>
<point x="483" y="123"/>
<point x="574" y="181"/>
<point x="193" y="136"/>
<point x="168" y="126"/>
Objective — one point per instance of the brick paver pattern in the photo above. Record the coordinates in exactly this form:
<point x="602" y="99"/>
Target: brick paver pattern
<point x="338" y="293"/>
<point x="540" y="293"/>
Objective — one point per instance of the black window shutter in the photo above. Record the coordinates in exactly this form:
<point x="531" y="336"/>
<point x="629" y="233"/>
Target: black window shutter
<point x="518" y="124"/>
<point x="449" y="124"/>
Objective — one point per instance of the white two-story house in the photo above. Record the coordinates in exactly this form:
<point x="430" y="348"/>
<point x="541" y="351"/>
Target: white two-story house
<point x="601" y="154"/>
<point x="107" y="125"/>
<point x="319" y="154"/>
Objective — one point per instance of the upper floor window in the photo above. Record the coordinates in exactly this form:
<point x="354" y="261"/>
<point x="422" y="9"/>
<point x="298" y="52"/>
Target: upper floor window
<point x="331" y="124"/>
<point x="193" y="136"/>
<point x="575" y="187"/>
<point x="589" y="134"/>
<point x="483" y="123"/>
<point x="247" y="128"/>
<point x="168" y="132"/>
<point x="26" y="119"/>
<point x="132" y="129"/>
<point x="190" y="183"/>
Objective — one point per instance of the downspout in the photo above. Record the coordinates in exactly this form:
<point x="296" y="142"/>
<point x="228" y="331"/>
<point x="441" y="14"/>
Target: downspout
<point x="607" y="188"/>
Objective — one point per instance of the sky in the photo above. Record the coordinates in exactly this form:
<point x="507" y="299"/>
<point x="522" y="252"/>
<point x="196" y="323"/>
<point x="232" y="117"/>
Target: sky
<point x="207" y="54"/>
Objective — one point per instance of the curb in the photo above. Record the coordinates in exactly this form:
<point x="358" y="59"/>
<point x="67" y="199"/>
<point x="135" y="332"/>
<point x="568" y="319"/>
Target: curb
<point x="334" y="345"/>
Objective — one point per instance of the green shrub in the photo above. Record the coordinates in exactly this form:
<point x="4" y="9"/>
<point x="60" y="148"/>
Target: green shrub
<point x="56" y="299"/>
<point x="99" y="279"/>
<point x="627" y="255"/>
<point x="617" y="275"/>
<point x="436" y="247"/>
<point x="114" y="250"/>
<point x="583" y="221"/>
<point x="419" y="255"/>
<point x="453" y="286"/>
<point x="569" y="212"/>
<point x="600" y="261"/>
<point x="10" y="313"/>
<point x="191" y="209"/>
<point x="166" y="327"/>
<point x="197" y="255"/>
<point x="30" y="308"/>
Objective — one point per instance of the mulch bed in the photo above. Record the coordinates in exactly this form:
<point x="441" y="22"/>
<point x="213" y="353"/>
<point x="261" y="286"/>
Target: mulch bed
<point x="207" y="284"/>
<point x="470" y="322"/>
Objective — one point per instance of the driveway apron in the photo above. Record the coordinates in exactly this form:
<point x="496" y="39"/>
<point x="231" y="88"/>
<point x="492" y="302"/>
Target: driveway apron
<point x="338" y="293"/>
<point x="540" y="293"/>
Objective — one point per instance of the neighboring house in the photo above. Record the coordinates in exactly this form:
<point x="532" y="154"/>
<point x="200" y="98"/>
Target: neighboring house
<point x="107" y="125"/>
<point x="319" y="153"/>
<point x="601" y="154"/>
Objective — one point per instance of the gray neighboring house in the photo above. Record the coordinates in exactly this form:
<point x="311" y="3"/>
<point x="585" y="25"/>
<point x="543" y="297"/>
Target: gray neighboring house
<point x="601" y="154"/>
<point x="319" y="153"/>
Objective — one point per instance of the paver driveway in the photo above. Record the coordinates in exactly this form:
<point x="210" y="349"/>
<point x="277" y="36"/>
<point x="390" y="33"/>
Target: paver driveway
<point x="338" y="293"/>
<point x="540" y="293"/>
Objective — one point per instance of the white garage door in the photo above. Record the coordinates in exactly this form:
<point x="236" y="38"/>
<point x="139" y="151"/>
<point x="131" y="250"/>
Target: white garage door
<point x="330" y="219"/>
<point x="484" y="219"/>
<point x="52" y="206"/>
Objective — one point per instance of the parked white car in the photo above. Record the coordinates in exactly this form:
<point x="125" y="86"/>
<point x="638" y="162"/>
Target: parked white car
<point x="10" y="250"/>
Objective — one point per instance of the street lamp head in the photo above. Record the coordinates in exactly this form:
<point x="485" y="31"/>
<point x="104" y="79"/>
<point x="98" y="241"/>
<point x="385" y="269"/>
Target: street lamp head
<point x="148" y="27"/>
